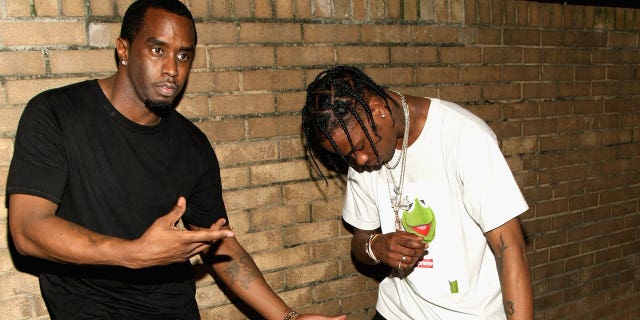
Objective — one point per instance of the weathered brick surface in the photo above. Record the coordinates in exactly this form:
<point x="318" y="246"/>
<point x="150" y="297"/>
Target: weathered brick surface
<point x="559" y="84"/>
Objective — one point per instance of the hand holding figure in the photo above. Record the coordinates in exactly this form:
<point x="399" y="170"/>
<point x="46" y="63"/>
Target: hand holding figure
<point x="400" y="249"/>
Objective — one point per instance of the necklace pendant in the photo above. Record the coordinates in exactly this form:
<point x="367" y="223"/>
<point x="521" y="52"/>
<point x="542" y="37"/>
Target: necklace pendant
<point x="398" y="206"/>
<point x="395" y="204"/>
<point x="405" y="203"/>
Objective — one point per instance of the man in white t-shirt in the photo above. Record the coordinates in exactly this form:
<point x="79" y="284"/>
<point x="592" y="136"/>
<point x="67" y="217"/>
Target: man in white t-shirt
<point x="428" y="194"/>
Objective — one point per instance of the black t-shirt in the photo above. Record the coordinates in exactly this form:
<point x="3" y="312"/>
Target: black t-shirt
<point x="114" y="177"/>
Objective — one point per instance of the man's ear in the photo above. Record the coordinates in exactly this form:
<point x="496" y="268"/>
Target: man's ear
<point x="378" y="107"/>
<point x="122" y="49"/>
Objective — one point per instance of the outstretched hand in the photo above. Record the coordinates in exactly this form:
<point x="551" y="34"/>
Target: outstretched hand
<point x="163" y="243"/>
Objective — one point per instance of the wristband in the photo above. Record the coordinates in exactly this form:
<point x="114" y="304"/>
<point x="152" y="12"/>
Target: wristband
<point x="369" y="249"/>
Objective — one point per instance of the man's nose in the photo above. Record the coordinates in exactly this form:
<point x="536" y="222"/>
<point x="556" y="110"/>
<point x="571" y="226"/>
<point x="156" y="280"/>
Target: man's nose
<point x="361" y="158"/>
<point x="170" y="68"/>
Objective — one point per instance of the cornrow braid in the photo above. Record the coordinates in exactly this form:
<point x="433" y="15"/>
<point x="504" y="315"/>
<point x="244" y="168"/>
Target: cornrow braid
<point x="336" y="97"/>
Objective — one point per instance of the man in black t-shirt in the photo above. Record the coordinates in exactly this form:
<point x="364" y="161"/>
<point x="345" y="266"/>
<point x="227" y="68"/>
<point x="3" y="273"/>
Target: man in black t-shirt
<point x="102" y="172"/>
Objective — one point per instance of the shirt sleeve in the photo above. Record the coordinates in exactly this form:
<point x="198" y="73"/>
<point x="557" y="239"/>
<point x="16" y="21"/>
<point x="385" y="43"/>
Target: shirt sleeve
<point x="359" y="208"/>
<point x="490" y="192"/>
<point x="205" y="204"/>
<point x="39" y="165"/>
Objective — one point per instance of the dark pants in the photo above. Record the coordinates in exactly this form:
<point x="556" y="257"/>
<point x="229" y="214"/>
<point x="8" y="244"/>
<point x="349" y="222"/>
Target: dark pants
<point x="378" y="316"/>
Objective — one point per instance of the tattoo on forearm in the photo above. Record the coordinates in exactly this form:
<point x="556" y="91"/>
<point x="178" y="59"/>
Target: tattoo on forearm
<point x="93" y="238"/>
<point x="499" y="254"/>
<point x="508" y="308"/>
<point x="242" y="271"/>
<point x="503" y="245"/>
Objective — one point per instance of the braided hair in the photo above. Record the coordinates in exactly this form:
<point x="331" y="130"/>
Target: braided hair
<point x="337" y="99"/>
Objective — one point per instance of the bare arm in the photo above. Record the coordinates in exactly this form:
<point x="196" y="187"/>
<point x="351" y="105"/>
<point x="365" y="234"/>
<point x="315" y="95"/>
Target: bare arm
<point x="38" y="232"/>
<point x="238" y="271"/>
<point x="507" y="244"/>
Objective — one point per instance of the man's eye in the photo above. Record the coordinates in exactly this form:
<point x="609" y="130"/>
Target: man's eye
<point x="156" y="51"/>
<point x="183" y="57"/>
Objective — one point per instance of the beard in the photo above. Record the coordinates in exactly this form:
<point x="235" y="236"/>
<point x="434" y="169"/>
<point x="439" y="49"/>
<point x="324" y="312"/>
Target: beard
<point x="159" y="108"/>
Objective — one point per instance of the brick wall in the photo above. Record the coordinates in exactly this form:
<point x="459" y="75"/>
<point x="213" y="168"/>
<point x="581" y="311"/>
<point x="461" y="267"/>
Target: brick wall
<point x="558" y="83"/>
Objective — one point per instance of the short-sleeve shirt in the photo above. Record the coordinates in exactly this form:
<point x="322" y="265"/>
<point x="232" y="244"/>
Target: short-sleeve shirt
<point x="114" y="177"/>
<point x="455" y="171"/>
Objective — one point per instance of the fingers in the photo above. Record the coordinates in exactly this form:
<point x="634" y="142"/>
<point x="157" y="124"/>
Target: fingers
<point x="207" y="235"/>
<point x="405" y="250"/>
<point x="218" y="224"/>
<point x="411" y="240"/>
<point x="195" y="242"/>
<point x="176" y="213"/>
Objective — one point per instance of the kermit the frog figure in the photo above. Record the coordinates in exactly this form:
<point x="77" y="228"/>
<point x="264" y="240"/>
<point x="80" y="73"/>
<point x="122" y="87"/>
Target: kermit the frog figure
<point x="420" y="221"/>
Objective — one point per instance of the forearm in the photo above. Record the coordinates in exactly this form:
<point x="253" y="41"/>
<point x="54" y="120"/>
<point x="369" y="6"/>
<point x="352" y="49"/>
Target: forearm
<point x="358" y="246"/>
<point x="507" y="243"/>
<point x="38" y="232"/>
<point x="56" y="239"/>
<point x="239" y="273"/>
<point x="515" y="280"/>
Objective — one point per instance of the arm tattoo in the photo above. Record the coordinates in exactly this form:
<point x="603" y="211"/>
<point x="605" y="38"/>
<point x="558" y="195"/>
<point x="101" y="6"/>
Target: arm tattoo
<point x="499" y="253"/>
<point x="93" y="238"/>
<point x="242" y="271"/>
<point x="508" y="308"/>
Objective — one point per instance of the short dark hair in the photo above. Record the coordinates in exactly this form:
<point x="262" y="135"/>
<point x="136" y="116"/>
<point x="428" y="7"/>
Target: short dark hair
<point x="134" y="17"/>
<point x="336" y="98"/>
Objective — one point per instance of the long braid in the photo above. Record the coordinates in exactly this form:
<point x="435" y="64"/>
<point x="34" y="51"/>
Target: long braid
<point x="334" y="98"/>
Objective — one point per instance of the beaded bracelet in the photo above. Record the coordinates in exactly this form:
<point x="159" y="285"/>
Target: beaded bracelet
<point x="291" y="315"/>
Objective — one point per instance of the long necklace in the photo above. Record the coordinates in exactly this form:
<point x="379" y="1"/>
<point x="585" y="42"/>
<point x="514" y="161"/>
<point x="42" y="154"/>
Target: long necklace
<point x="396" y="198"/>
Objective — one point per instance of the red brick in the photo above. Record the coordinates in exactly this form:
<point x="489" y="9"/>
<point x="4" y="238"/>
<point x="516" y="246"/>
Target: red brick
<point x="200" y="82"/>
<point x="272" y="79"/>
<point x="431" y="34"/>
<point x="502" y="55"/>
<point x="437" y="75"/>
<point x="225" y="57"/>
<point x="412" y="55"/>
<point x="523" y="37"/>
<point x="386" y="33"/>
<point x="521" y="73"/>
<point x="457" y="55"/>
<point x="301" y="56"/>
<point x="22" y="63"/>
<point x="623" y="39"/>
<point x="270" y="32"/>
<point x="543" y="90"/>
<point x="42" y="33"/>
<point x="274" y="127"/>
<point x="502" y="92"/>
<point x="242" y="104"/>
<point x="391" y="76"/>
<point x="331" y="33"/>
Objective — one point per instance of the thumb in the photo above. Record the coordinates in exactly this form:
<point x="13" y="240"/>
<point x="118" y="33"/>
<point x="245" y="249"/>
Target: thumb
<point x="176" y="213"/>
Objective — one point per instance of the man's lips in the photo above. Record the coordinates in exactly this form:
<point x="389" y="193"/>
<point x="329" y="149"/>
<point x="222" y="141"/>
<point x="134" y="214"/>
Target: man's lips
<point x="167" y="89"/>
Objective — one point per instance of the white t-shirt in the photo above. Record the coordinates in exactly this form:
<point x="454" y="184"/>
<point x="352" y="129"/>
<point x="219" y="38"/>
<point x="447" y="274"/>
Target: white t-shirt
<point x="456" y="169"/>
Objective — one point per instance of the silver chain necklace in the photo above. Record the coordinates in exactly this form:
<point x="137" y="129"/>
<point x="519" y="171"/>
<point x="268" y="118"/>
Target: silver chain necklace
<point x="397" y="201"/>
